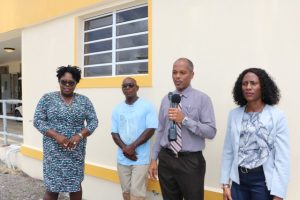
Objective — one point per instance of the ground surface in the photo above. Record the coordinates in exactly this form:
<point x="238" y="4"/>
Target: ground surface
<point x="16" y="185"/>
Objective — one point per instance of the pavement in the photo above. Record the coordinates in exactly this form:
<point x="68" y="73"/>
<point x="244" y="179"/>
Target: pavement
<point x="16" y="185"/>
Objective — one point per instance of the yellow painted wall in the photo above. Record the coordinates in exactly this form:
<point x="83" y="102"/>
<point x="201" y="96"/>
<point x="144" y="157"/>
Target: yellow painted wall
<point x="109" y="174"/>
<point x="16" y="14"/>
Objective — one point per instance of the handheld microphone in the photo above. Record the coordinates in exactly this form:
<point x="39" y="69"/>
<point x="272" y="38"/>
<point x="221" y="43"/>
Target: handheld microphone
<point x="170" y="94"/>
<point x="175" y="100"/>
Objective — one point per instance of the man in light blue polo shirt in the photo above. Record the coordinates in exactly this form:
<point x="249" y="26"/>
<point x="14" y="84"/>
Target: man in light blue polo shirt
<point x="133" y="124"/>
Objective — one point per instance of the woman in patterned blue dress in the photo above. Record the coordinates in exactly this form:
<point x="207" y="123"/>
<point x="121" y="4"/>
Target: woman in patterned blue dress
<point x="256" y="150"/>
<point x="65" y="119"/>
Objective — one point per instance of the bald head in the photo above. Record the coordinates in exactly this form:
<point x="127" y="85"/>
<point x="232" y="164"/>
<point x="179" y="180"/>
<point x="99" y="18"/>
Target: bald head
<point x="129" y="79"/>
<point x="130" y="88"/>
<point x="187" y="61"/>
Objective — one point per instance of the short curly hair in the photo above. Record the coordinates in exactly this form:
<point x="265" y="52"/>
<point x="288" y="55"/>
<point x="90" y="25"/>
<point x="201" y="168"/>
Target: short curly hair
<point x="270" y="93"/>
<point x="74" y="70"/>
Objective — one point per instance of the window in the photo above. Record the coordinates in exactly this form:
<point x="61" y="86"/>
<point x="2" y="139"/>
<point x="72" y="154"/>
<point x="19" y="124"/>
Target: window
<point x="116" y="43"/>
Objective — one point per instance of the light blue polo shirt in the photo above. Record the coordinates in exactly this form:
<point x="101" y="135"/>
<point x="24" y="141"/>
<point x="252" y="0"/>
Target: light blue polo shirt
<point x="130" y="121"/>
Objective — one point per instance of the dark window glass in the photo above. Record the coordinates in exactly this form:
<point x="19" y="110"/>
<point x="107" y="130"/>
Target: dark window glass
<point x="98" y="46"/>
<point x="98" y="34"/>
<point x="133" y="68"/>
<point x="135" y="54"/>
<point x="98" y="59"/>
<point x="98" y="71"/>
<point x="133" y="14"/>
<point x="132" y="28"/>
<point x="133" y="41"/>
<point x="98" y="22"/>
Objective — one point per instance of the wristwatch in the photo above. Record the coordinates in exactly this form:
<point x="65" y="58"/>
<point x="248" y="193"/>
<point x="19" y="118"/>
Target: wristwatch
<point x="184" y="121"/>
<point x="225" y="186"/>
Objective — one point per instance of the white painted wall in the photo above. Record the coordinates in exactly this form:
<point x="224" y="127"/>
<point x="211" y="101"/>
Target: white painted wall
<point x="222" y="38"/>
<point x="13" y="67"/>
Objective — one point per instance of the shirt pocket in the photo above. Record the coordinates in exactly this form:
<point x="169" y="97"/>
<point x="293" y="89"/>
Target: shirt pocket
<point x="191" y="112"/>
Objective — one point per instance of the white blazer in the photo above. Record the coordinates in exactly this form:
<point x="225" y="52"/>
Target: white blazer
<point x="277" y="167"/>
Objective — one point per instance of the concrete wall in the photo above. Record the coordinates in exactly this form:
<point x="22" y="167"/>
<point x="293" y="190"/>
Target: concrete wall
<point x="222" y="38"/>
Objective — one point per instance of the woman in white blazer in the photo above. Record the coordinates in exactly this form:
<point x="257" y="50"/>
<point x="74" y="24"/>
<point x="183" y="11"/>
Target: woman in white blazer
<point x="256" y="154"/>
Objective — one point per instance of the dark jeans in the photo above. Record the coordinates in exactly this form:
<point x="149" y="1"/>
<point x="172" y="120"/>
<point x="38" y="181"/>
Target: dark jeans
<point x="181" y="177"/>
<point x="252" y="187"/>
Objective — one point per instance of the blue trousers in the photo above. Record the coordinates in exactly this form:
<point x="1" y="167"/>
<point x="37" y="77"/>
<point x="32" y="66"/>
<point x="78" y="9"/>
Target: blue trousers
<point x="252" y="187"/>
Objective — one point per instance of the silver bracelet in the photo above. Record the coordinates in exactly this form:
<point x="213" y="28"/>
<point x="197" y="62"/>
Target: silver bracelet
<point x="80" y="135"/>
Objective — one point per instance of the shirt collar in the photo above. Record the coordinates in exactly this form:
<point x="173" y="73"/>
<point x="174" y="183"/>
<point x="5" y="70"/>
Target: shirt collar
<point x="186" y="92"/>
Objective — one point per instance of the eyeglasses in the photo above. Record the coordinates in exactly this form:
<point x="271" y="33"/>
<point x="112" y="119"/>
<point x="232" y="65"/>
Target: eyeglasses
<point x="128" y="85"/>
<point x="65" y="83"/>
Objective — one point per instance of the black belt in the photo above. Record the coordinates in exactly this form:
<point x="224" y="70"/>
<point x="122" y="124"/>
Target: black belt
<point x="245" y="170"/>
<point x="180" y="153"/>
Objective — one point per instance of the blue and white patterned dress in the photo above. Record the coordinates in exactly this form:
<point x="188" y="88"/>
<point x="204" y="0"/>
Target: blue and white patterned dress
<point x="63" y="169"/>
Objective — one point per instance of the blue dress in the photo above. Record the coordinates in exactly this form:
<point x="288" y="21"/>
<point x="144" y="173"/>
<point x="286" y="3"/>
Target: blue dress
<point x="64" y="169"/>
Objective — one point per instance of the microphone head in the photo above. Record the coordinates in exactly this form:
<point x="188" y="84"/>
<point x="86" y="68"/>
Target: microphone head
<point x="176" y="98"/>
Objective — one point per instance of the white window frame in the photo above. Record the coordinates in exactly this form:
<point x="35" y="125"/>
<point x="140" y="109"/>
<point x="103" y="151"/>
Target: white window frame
<point x="114" y="39"/>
